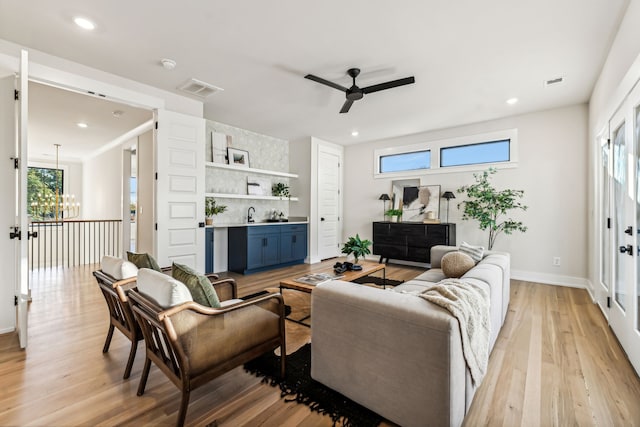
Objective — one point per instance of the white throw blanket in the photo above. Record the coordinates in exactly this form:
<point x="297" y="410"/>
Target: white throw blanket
<point x="469" y="303"/>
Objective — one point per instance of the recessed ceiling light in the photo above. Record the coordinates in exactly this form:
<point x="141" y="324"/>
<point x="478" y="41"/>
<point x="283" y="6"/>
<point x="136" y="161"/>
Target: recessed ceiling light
<point x="512" y="101"/>
<point x="355" y="133"/>
<point x="117" y="113"/>
<point x="84" y="23"/>
<point x="168" y="64"/>
<point x="82" y="125"/>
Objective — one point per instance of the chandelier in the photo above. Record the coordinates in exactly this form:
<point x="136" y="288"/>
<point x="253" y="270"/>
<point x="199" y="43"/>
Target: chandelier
<point x="55" y="205"/>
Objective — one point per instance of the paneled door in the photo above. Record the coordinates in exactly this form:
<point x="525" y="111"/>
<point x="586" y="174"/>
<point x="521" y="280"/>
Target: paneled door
<point x="329" y="228"/>
<point x="625" y="220"/>
<point x="13" y="214"/>
<point x="180" y="189"/>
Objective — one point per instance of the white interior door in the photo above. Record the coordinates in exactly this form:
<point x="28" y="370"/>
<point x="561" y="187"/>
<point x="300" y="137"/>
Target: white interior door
<point x="625" y="290"/>
<point x="180" y="189"/>
<point x="602" y="292"/>
<point x="329" y="206"/>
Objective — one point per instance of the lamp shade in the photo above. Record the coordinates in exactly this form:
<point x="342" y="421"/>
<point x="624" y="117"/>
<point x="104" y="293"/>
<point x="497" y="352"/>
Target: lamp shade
<point x="448" y="195"/>
<point x="384" y="197"/>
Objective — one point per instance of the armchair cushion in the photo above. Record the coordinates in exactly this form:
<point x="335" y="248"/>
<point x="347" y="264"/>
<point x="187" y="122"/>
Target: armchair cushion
<point x="143" y="260"/>
<point x="118" y="268"/>
<point x="165" y="290"/>
<point x="199" y="285"/>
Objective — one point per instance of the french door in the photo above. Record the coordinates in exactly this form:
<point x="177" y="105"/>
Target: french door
<point x="624" y="193"/>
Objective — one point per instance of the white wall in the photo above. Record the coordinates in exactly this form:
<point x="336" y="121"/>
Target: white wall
<point x="619" y="73"/>
<point x="102" y="186"/>
<point x="552" y="171"/>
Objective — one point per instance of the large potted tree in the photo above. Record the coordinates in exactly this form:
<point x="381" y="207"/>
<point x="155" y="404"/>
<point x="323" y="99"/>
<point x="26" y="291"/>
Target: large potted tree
<point x="489" y="206"/>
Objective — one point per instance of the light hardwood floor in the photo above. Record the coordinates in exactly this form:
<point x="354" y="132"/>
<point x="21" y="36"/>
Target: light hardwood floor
<point x="556" y="362"/>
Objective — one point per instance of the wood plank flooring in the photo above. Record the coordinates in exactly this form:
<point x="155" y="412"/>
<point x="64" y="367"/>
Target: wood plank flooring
<point x="556" y="363"/>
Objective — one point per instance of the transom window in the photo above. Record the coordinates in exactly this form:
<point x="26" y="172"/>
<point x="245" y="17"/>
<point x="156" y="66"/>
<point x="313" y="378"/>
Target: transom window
<point x="474" y="154"/>
<point x="465" y="153"/>
<point x="405" y="161"/>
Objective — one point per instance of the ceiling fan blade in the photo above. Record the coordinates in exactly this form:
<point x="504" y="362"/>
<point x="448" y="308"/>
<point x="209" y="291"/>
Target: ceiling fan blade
<point x="345" y="107"/>
<point x="389" y="85"/>
<point x="325" y="82"/>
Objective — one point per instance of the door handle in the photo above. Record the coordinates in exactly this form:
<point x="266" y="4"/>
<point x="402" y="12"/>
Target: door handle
<point x="629" y="230"/>
<point x="628" y="249"/>
<point x="321" y="219"/>
<point x="31" y="234"/>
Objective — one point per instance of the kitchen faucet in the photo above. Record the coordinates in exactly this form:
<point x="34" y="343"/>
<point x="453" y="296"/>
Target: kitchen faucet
<point x="250" y="215"/>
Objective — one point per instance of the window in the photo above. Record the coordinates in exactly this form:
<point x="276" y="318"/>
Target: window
<point x="41" y="191"/>
<point x="474" y="154"/>
<point x="405" y="161"/>
<point x="468" y="153"/>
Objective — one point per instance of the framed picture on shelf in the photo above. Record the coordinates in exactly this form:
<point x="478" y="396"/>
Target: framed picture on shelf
<point x="258" y="186"/>
<point x="219" y="144"/>
<point x="421" y="203"/>
<point x="239" y="158"/>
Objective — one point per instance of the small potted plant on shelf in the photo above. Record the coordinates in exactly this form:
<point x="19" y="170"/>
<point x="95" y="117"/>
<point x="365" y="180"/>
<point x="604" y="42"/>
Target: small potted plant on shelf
<point x="356" y="246"/>
<point x="394" y="214"/>
<point x="280" y="189"/>
<point x="211" y="209"/>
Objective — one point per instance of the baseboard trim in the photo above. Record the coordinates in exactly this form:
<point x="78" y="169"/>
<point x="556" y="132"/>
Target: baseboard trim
<point x="551" y="279"/>
<point x="7" y="330"/>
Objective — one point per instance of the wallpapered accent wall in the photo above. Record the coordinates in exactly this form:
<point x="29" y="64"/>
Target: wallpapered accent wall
<point x="265" y="152"/>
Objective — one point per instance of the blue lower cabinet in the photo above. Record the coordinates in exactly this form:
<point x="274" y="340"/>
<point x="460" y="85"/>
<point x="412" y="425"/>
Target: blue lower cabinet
<point x="258" y="248"/>
<point x="208" y="250"/>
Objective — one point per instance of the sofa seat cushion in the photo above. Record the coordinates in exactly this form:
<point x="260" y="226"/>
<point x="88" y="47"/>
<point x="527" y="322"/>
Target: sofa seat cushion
<point x="455" y="264"/>
<point x="200" y="286"/>
<point x="433" y="275"/>
<point x="164" y="290"/>
<point x="412" y="286"/>
<point x="118" y="268"/>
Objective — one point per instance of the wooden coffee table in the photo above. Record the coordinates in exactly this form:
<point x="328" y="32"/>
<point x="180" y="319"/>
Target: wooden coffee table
<point x="368" y="267"/>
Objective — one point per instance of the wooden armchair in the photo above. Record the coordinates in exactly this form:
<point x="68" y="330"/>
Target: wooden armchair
<point x="193" y="344"/>
<point x="120" y="314"/>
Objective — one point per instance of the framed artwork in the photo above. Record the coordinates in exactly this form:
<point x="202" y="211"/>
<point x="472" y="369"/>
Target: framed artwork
<point x="421" y="203"/>
<point x="258" y="186"/>
<point x="219" y="144"/>
<point x="239" y="158"/>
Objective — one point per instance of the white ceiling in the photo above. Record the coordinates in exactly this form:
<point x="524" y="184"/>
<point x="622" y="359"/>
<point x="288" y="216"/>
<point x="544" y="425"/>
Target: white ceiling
<point x="468" y="57"/>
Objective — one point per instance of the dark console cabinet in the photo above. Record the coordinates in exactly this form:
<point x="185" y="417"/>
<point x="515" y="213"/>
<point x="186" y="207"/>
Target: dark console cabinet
<point x="410" y="241"/>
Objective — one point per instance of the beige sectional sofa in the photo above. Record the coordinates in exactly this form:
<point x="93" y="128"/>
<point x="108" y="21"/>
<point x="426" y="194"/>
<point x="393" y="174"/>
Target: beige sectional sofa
<point x="398" y="354"/>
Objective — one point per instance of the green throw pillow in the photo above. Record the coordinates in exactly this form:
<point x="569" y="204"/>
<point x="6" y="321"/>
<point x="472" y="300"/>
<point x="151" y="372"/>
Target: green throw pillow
<point x="199" y="285"/>
<point x="143" y="261"/>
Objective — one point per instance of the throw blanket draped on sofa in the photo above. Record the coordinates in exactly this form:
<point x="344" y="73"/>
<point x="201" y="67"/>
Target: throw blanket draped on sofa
<point x="469" y="304"/>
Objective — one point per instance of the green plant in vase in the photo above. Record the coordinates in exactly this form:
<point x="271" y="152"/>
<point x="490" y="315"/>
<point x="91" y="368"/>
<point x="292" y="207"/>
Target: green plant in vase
<point x="280" y="189"/>
<point x="394" y="214"/>
<point x="211" y="209"/>
<point x="488" y="206"/>
<point x="356" y="246"/>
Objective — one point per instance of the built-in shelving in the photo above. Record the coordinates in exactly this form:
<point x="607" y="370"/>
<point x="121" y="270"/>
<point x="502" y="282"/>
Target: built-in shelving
<point x="250" y="197"/>
<point x="251" y="170"/>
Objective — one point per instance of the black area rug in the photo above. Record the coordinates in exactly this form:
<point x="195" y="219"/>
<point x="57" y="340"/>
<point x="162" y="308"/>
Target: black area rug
<point x="378" y="281"/>
<point x="298" y="386"/>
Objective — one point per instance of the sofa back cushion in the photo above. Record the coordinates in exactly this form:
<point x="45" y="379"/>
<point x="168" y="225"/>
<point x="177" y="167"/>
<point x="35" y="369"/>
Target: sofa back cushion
<point x="143" y="260"/>
<point x="165" y="290"/>
<point x="117" y="267"/>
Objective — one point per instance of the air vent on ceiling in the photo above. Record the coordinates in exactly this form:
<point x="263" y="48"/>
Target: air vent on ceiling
<point x="554" y="81"/>
<point x="199" y="88"/>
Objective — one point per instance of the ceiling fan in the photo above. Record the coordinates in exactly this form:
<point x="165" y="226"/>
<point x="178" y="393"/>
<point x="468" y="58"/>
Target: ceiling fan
<point x="355" y="93"/>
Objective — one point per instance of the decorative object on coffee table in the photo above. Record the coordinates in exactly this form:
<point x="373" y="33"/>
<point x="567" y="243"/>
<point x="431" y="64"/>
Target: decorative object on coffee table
<point x="448" y="195"/>
<point x="356" y="246"/>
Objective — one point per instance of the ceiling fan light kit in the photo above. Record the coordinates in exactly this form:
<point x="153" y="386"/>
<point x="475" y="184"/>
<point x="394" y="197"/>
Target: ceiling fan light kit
<point x="354" y="93"/>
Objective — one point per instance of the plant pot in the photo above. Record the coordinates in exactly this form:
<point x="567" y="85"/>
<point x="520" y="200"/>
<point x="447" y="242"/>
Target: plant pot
<point x="394" y="218"/>
<point x="208" y="221"/>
